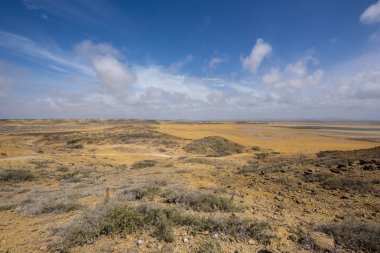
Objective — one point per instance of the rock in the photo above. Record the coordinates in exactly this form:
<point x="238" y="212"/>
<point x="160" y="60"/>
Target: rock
<point x="322" y="241"/>
<point x="279" y="198"/>
<point x="215" y="236"/>
<point x="43" y="248"/>
<point x="185" y="240"/>
<point x="140" y="242"/>
<point x="252" y="242"/>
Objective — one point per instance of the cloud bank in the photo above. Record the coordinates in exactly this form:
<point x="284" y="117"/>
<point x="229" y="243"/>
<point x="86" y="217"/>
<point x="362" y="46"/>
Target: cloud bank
<point x="97" y="80"/>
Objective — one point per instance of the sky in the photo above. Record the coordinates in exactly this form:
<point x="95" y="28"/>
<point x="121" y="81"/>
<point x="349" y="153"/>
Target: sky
<point x="190" y="60"/>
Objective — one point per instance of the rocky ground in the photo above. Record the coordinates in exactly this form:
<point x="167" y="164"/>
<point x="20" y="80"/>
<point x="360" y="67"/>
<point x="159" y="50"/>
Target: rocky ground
<point x="127" y="186"/>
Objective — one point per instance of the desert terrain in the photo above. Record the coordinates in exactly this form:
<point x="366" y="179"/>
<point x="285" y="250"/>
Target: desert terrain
<point x="165" y="186"/>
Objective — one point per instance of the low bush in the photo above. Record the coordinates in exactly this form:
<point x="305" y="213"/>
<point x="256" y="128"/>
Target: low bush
<point x="44" y="205"/>
<point x="358" y="236"/>
<point x="332" y="182"/>
<point x="143" y="164"/>
<point x="120" y="219"/>
<point x="141" y="193"/>
<point x="7" y="207"/>
<point x="16" y="175"/>
<point x="202" y="202"/>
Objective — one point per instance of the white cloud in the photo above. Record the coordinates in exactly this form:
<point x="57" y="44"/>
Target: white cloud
<point x="175" y="67"/>
<point x="259" y="52"/>
<point x="215" y="61"/>
<point x="114" y="76"/>
<point x="294" y="75"/>
<point x="88" y="48"/>
<point x="365" y="85"/>
<point x="371" y="14"/>
<point x="163" y="79"/>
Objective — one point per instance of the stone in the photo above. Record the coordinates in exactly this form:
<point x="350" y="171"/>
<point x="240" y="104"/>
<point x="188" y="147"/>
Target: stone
<point x="252" y="242"/>
<point x="140" y="242"/>
<point x="322" y="241"/>
<point x="185" y="240"/>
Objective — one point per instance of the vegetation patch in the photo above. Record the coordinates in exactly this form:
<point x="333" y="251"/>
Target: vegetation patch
<point x="344" y="183"/>
<point x="358" y="236"/>
<point x="213" y="146"/>
<point x="202" y="202"/>
<point x="46" y="205"/>
<point x="141" y="193"/>
<point x="209" y="246"/>
<point x="15" y="175"/>
<point x="143" y="164"/>
<point x="7" y="207"/>
<point x="120" y="219"/>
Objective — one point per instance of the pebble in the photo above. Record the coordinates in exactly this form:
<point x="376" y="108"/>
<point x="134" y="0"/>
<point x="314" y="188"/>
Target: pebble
<point x="140" y="242"/>
<point x="185" y="240"/>
<point x="216" y="236"/>
<point x="252" y="242"/>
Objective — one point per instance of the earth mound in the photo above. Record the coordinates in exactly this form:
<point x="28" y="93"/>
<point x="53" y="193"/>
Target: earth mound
<point x="213" y="146"/>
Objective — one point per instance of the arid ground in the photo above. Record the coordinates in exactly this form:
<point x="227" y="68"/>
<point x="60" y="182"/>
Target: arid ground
<point x="149" y="186"/>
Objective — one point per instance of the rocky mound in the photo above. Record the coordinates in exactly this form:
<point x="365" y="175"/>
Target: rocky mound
<point x="213" y="146"/>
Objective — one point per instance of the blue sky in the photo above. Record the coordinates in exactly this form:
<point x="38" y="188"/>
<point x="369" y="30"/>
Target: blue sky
<point x="268" y="59"/>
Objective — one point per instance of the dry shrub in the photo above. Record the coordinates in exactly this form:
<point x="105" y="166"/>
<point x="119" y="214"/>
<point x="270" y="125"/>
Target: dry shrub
<point x="143" y="164"/>
<point x="16" y="175"/>
<point x="120" y="219"/>
<point x="50" y="204"/>
<point x="344" y="183"/>
<point x="202" y="202"/>
<point x="358" y="236"/>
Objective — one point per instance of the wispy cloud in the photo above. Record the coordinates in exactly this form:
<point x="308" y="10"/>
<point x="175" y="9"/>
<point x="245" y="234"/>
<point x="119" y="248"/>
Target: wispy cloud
<point x="29" y="49"/>
<point x="259" y="52"/>
<point x="371" y="14"/>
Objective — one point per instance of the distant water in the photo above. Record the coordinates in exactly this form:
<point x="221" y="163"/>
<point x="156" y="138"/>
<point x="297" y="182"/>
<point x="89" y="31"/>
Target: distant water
<point x="336" y="128"/>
